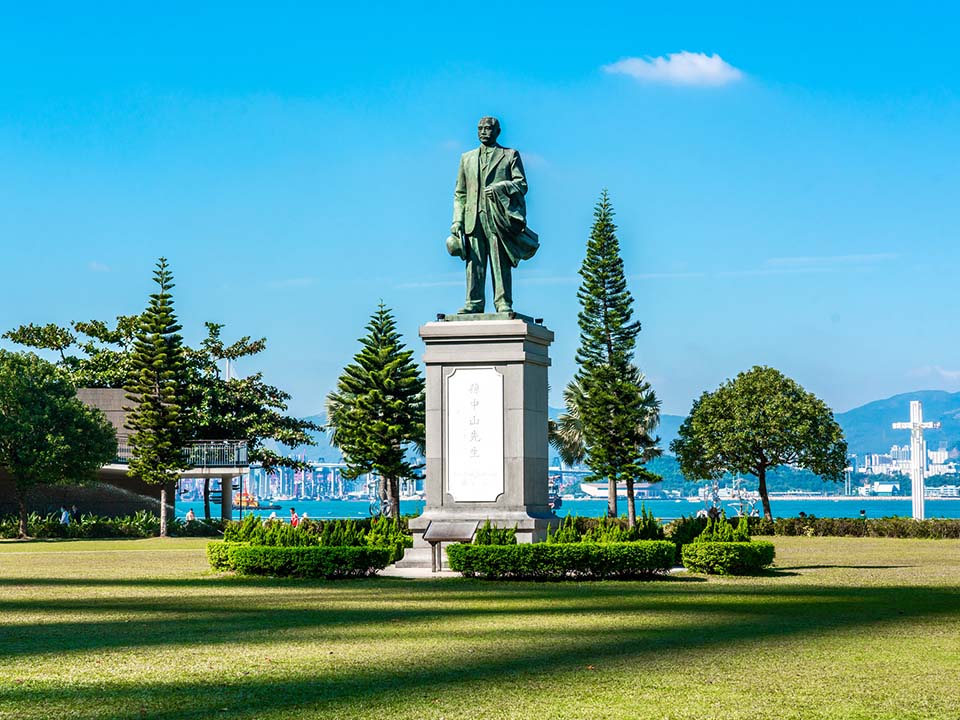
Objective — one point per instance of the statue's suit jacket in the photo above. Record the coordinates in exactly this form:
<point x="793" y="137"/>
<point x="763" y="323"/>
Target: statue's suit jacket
<point x="503" y="167"/>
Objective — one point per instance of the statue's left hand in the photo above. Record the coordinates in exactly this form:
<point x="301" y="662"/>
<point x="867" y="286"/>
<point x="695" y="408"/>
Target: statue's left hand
<point x="491" y="190"/>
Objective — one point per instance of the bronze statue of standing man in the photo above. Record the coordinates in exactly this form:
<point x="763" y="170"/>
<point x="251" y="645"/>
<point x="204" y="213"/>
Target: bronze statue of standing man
<point x="490" y="219"/>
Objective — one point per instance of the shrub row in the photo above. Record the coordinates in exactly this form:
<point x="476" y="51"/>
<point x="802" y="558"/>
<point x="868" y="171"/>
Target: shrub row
<point x="314" y="561"/>
<point x="727" y="558"/>
<point x="684" y="530"/>
<point x="140" y="525"/>
<point x="372" y="532"/>
<point x="890" y="527"/>
<point x="575" y="529"/>
<point x="542" y="561"/>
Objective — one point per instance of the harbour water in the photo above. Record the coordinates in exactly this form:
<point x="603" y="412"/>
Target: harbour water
<point x="665" y="510"/>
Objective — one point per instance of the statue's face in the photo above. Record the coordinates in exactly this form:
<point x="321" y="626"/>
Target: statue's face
<point x="487" y="132"/>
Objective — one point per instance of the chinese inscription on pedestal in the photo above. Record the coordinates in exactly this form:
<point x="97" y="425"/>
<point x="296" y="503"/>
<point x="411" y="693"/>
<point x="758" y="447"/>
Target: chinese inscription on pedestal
<point x="474" y="455"/>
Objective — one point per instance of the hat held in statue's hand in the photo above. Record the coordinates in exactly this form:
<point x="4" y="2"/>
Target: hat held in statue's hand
<point x="455" y="247"/>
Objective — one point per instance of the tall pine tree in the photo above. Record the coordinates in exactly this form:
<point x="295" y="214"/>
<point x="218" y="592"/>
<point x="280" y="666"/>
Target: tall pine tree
<point x="377" y="410"/>
<point x="156" y="386"/>
<point x="611" y="408"/>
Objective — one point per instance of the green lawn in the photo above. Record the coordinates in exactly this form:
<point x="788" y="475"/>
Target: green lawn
<point x="845" y="628"/>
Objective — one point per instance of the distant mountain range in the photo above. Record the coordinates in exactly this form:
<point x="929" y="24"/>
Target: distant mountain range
<point x="868" y="428"/>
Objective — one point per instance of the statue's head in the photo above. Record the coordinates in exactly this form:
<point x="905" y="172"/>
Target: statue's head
<point x="488" y="130"/>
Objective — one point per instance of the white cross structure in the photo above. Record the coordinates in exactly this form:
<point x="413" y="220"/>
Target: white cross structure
<point x="918" y="454"/>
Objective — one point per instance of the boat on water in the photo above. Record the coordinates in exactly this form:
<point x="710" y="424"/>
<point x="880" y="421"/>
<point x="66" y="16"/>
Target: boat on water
<point x="246" y="501"/>
<point x="602" y="489"/>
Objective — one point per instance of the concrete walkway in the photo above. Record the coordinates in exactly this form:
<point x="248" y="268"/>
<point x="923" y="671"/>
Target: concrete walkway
<point x="416" y="573"/>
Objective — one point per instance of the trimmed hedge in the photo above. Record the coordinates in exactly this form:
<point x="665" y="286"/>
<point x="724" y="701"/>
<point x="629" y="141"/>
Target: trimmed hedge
<point x="314" y="561"/>
<point x="542" y="561"/>
<point x="890" y="527"/>
<point x="372" y="532"/>
<point x="684" y="530"/>
<point x="728" y="558"/>
<point x="218" y="553"/>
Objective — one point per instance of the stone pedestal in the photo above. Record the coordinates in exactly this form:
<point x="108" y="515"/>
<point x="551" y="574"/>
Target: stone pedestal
<point x="486" y="427"/>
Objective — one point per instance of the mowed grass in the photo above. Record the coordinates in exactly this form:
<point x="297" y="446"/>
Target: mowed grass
<point x="844" y="628"/>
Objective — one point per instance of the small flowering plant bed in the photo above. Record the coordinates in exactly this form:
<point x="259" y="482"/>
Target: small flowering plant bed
<point x="724" y="550"/>
<point x="566" y="561"/>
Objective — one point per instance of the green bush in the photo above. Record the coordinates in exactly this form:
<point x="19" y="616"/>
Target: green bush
<point x="606" y="530"/>
<point x="683" y="530"/>
<point x="385" y="533"/>
<point x="489" y="534"/>
<point x="299" y="561"/>
<point x="892" y="527"/>
<point x="727" y="558"/>
<point x="761" y="526"/>
<point x="648" y="527"/>
<point x="196" y="528"/>
<point x="372" y="532"/>
<point x="389" y="533"/>
<point x="243" y="531"/>
<point x="557" y="561"/>
<point x="142" y="524"/>
<point x="566" y="532"/>
<point x="218" y="553"/>
<point x="720" y="530"/>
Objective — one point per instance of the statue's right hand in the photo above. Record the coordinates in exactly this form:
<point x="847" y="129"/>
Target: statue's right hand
<point x="456" y="229"/>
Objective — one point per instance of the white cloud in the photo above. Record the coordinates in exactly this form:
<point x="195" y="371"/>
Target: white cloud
<point x="94" y="266"/>
<point x="682" y="68"/>
<point x="830" y="260"/>
<point x="534" y="160"/>
<point x="935" y="371"/>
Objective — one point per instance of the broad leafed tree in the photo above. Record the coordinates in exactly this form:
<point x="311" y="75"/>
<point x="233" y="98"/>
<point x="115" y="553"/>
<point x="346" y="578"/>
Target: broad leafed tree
<point x="758" y="421"/>
<point x="47" y="436"/>
<point x="224" y="406"/>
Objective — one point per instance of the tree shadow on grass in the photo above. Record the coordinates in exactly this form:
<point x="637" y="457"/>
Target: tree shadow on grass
<point x="557" y="643"/>
<point x="847" y="567"/>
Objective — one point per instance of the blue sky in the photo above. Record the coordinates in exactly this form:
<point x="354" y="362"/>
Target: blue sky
<point x="785" y="179"/>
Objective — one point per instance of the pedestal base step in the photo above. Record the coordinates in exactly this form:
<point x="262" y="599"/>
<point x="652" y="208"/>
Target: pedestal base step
<point x="419" y="557"/>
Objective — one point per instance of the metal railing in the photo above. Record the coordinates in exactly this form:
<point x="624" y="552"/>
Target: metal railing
<point x="199" y="454"/>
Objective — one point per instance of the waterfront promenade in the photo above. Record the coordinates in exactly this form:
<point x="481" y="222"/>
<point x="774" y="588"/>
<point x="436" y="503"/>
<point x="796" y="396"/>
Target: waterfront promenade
<point x="664" y="509"/>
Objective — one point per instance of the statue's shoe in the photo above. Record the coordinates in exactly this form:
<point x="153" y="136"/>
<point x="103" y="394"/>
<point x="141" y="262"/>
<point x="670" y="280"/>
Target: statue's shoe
<point x="469" y="311"/>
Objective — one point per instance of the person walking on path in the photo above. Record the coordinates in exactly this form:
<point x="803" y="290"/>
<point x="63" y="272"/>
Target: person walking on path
<point x="294" y="520"/>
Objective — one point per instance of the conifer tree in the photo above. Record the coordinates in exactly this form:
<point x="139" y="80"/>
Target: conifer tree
<point x="377" y="411"/>
<point x="156" y="386"/>
<point x="611" y="408"/>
